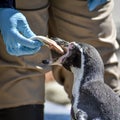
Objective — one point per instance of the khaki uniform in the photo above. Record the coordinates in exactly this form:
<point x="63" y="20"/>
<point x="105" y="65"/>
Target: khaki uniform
<point x="72" y="21"/>
<point x="22" y="78"/>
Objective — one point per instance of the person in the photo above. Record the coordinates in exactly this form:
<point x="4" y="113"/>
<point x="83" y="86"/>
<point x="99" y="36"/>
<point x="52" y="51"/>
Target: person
<point x="90" y="23"/>
<point x="22" y="68"/>
<point x="116" y="18"/>
<point x="22" y="65"/>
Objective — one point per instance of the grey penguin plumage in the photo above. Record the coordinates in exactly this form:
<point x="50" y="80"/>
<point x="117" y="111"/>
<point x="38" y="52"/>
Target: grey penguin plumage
<point x="92" y="98"/>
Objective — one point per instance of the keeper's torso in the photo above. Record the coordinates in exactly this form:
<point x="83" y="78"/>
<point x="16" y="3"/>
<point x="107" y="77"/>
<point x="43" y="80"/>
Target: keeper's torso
<point x="21" y="81"/>
<point x="22" y="78"/>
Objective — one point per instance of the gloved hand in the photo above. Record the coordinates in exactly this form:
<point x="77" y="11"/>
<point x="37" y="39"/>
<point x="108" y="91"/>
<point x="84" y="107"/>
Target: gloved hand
<point x="92" y="4"/>
<point x="16" y="33"/>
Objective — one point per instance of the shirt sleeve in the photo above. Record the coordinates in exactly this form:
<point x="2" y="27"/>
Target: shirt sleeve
<point x="7" y="3"/>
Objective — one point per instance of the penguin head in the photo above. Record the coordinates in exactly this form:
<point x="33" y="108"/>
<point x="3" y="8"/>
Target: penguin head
<point x="72" y="58"/>
<point x="83" y="56"/>
<point x="62" y="43"/>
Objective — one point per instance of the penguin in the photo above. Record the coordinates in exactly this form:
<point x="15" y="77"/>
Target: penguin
<point x="92" y="99"/>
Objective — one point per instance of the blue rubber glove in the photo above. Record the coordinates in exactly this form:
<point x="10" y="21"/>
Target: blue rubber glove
<point x="16" y="33"/>
<point x="92" y="4"/>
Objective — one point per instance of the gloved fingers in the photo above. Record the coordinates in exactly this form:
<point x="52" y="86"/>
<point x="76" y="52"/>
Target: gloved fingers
<point x="9" y="44"/>
<point x="24" y="29"/>
<point x="19" y="38"/>
<point x="93" y="4"/>
<point x="17" y="44"/>
<point x="15" y="48"/>
<point x="21" y="50"/>
<point x="16" y="33"/>
<point x="12" y="47"/>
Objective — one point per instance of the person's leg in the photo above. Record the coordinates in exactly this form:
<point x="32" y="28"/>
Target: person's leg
<point x="112" y="77"/>
<point x="116" y="17"/>
<point x="27" y="112"/>
<point x="72" y="21"/>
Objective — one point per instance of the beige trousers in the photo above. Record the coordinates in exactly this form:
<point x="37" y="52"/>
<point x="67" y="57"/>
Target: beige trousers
<point x="22" y="78"/>
<point x="71" y="20"/>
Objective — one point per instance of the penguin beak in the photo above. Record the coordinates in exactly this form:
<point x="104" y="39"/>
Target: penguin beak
<point x="67" y="52"/>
